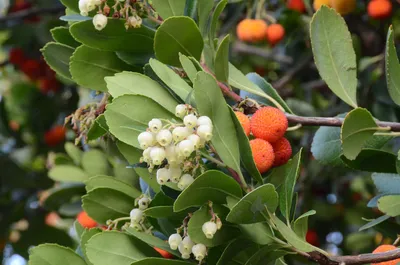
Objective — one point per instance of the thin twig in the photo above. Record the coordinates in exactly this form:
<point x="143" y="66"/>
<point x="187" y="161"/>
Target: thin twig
<point x="240" y="47"/>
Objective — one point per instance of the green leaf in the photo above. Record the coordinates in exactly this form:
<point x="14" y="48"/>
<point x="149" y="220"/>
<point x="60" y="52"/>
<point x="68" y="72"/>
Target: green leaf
<point x="57" y="56"/>
<point x="74" y="152"/>
<point x="79" y="229"/>
<point x="334" y="54"/>
<point x="268" y="89"/>
<point x="212" y="186"/>
<point x="300" y="226"/>
<point x="390" y="205"/>
<point x="169" y="8"/>
<point x="52" y="254"/>
<point x="62" y="194"/>
<point x="392" y="68"/>
<point x="86" y="236"/>
<point x="291" y="236"/>
<point x="211" y="103"/>
<point x="204" y="12"/>
<point x="374" y="222"/>
<point x="71" y="4"/>
<point x="127" y="116"/>
<point x="266" y="253"/>
<point x="215" y="18"/>
<point x="63" y="36"/>
<point x="117" y="248"/>
<point x="188" y="66"/>
<point x="172" y="80"/>
<point x="221" y="63"/>
<point x="98" y="129"/>
<point x="103" y="204"/>
<point x="286" y="191"/>
<point x="89" y="67"/>
<point x="259" y="233"/>
<point x="137" y="40"/>
<point x="177" y="35"/>
<point x="373" y="160"/>
<point x="251" y="208"/>
<point x="225" y="234"/>
<point x="161" y="261"/>
<point x="387" y="183"/>
<point x="232" y="249"/>
<point x="67" y="173"/>
<point x="121" y="84"/>
<point x="95" y="162"/>
<point x="135" y="58"/>
<point x="112" y="183"/>
<point x="152" y="240"/>
<point x="358" y="127"/>
<point x="246" y="155"/>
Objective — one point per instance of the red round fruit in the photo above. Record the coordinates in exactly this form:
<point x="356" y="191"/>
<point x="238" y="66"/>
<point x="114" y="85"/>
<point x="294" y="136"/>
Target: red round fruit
<point x="85" y="220"/>
<point x="297" y="5"/>
<point x="312" y="238"/>
<point x="48" y="85"/>
<point x="263" y="154"/>
<point x="164" y="253"/>
<point x="55" y="135"/>
<point x="16" y="56"/>
<point x="31" y="68"/>
<point x="282" y="150"/>
<point x="269" y="124"/>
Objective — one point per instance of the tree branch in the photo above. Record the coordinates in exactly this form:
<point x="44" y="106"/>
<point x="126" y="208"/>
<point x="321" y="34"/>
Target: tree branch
<point x="31" y="12"/>
<point x="241" y="47"/>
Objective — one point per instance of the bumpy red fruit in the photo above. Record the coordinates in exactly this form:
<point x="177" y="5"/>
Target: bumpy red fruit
<point x="385" y="248"/>
<point x="244" y="121"/>
<point x="379" y="9"/>
<point x="164" y="253"/>
<point x="85" y="221"/>
<point x="312" y="238"/>
<point x="282" y="151"/>
<point x="16" y="56"/>
<point x="275" y="33"/>
<point x="269" y="124"/>
<point x="297" y="5"/>
<point x="55" y="135"/>
<point x="263" y="154"/>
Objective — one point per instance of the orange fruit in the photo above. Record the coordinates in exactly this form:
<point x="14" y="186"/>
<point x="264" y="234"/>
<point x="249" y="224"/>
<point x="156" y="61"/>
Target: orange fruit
<point x="263" y="154"/>
<point x="282" y="151"/>
<point x="379" y="9"/>
<point x="344" y="7"/>
<point x="269" y="124"/>
<point x="318" y="3"/>
<point x="251" y="30"/>
<point x="275" y="33"/>
<point x="85" y="221"/>
<point x="55" y="135"/>
<point x="164" y="253"/>
<point x="244" y="121"/>
<point x="297" y="5"/>
<point x="385" y="248"/>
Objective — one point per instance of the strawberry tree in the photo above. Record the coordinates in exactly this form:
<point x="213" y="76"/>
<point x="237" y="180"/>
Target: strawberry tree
<point x="210" y="191"/>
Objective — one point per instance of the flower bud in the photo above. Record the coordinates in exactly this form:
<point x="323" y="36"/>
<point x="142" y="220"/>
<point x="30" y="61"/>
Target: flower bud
<point x="163" y="176"/>
<point x="205" y="132"/>
<point x="180" y="133"/>
<point x="100" y="21"/>
<point x="155" y="125"/>
<point x="136" y="226"/>
<point x="174" y="240"/>
<point x="164" y="137"/>
<point x="195" y="139"/>
<point x="190" y="121"/>
<point x="199" y="251"/>
<point x="176" y="173"/>
<point x="82" y="4"/>
<point x="135" y="21"/>
<point x="97" y="2"/>
<point x="204" y="120"/>
<point x="187" y="245"/>
<point x="185" y="181"/>
<point x="180" y="110"/>
<point x="144" y="203"/>
<point x="219" y="223"/>
<point x="136" y="215"/>
<point x="90" y="4"/>
<point x="171" y="155"/>
<point x="186" y="148"/>
<point x="145" y="139"/>
<point x="157" y="155"/>
<point x="146" y="155"/>
<point x="209" y="229"/>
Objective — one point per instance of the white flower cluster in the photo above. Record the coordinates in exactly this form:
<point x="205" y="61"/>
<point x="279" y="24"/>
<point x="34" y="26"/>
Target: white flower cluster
<point x="85" y="6"/>
<point x="174" y="143"/>
<point x="137" y="214"/>
<point x="187" y="247"/>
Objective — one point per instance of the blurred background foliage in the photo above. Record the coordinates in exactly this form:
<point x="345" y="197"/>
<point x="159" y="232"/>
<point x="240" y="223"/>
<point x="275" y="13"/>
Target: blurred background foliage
<point x="35" y="101"/>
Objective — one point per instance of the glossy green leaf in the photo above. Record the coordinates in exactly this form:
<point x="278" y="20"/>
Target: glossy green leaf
<point x="127" y="116"/>
<point x="358" y="127"/>
<point x="211" y="103"/>
<point x="246" y="155"/>
<point x="52" y="254"/>
<point x="71" y="4"/>
<point x="212" y="186"/>
<point x="86" y="236"/>
<point x="98" y="129"/>
<point x="188" y="66"/>
<point x="89" y="67"/>
<point x="63" y="36"/>
<point x="160" y="211"/>
<point x="117" y="248"/>
<point x="373" y="160"/>
<point x="95" y="162"/>
<point x="387" y="183"/>
<point x="135" y="58"/>
<point x="62" y="194"/>
<point x="74" y="152"/>
<point x="161" y="261"/>
<point x="204" y="12"/>
<point x="169" y="8"/>
<point x="152" y="240"/>
<point x="177" y="35"/>
<point x="334" y="54"/>
<point x="225" y="234"/>
<point x="251" y="208"/>
<point x="392" y="67"/>
<point x="112" y="183"/>
<point x="374" y="222"/>
<point x="103" y="204"/>
<point x="67" y="173"/>
<point x="266" y="253"/>
<point x="292" y="170"/>
<point x="390" y="205"/>
<point x="79" y="229"/>
<point x="138" y="84"/>
<point x="138" y="40"/>
<point x="172" y="80"/>
<point x="221" y="63"/>
<point x="259" y="233"/>
<point x="58" y="56"/>
<point x="300" y="226"/>
<point x="232" y="249"/>
<point x="215" y="18"/>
